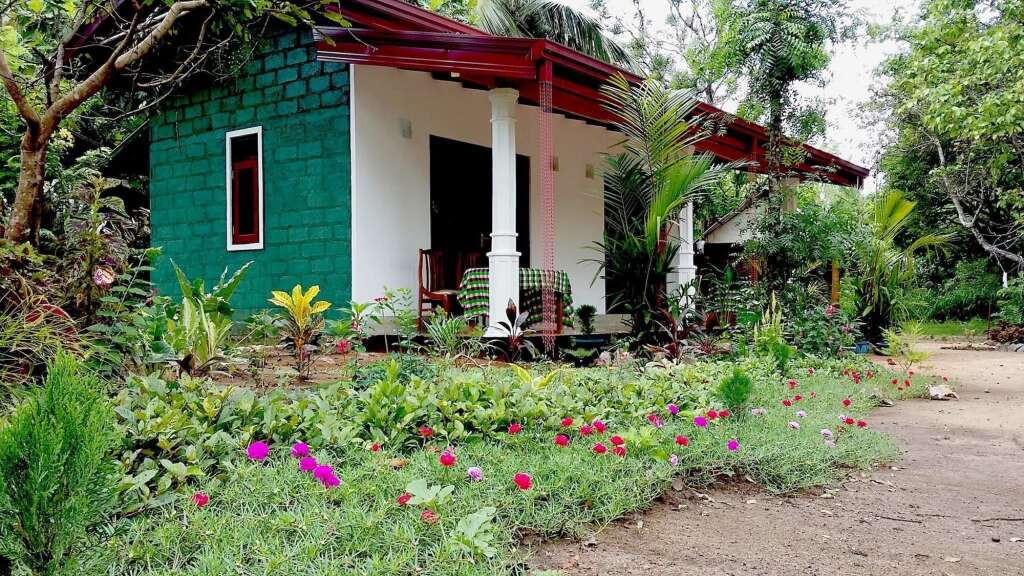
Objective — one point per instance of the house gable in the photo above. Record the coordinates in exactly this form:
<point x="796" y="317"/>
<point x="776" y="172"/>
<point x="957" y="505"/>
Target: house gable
<point x="302" y="108"/>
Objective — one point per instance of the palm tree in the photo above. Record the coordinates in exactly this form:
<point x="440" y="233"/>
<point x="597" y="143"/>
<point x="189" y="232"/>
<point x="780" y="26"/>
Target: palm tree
<point x="887" y="269"/>
<point x="549" y="19"/>
<point x="646" y="186"/>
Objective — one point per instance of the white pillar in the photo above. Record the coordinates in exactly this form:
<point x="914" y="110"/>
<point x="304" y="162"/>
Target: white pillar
<point x="687" y="269"/>
<point x="503" y="259"/>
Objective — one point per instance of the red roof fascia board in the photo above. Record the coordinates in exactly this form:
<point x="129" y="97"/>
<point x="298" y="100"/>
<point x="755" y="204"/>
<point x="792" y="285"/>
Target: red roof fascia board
<point x="399" y="15"/>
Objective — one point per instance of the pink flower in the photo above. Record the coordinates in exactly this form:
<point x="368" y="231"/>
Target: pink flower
<point x="200" y="499"/>
<point x="426" y="431"/>
<point x="258" y="451"/>
<point x="566" y="422"/>
<point x="810" y="371"/>
<point x="787" y="403"/>
<point x="617" y="441"/>
<point x="428" y="516"/>
<point x="344" y="346"/>
<point x="847" y="402"/>
<point x="523" y="481"/>
<point x="682" y="441"/>
<point x="700" y="422"/>
<point x="723" y="413"/>
<point x="599" y="426"/>
<point x="322" y="472"/>
<point x="758" y="411"/>
<point x="792" y="384"/>
<point x="475" y="474"/>
<point x="103" y="277"/>
<point x="599" y="448"/>
<point x="447" y="459"/>
<point x="673" y="460"/>
<point x="300" y="450"/>
<point x="733" y="445"/>
<point x="794" y="425"/>
<point x="330" y="481"/>
<point x="801" y="414"/>
<point x="672" y="409"/>
<point x="712" y="415"/>
<point x="655" y="420"/>
<point x="586" y="430"/>
<point x="562" y="440"/>
<point x="619" y="451"/>
<point x="403" y="499"/>
<point x="307" y="464"/>
<point x="515" y="428"/>
<point x="826" y="433"/>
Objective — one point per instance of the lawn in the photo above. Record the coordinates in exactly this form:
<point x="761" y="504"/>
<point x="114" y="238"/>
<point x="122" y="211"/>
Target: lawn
<point x="953" y="328"/>
<point x="268" y="517"/>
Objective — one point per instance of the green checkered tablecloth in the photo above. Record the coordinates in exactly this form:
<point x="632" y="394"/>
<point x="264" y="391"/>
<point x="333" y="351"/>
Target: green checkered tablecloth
<point x="473" y="293"/>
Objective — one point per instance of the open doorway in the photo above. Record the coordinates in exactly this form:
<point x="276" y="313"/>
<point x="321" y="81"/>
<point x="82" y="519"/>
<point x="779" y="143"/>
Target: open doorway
<point x="460" y="205"/>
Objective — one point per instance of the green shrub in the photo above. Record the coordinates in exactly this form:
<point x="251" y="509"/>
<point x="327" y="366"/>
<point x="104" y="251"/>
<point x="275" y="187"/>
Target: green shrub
<point x="735" y="390"/>
<point x="56" y="477"/>
<point x="1011" y="302"/>
<point x="970" y="292"/>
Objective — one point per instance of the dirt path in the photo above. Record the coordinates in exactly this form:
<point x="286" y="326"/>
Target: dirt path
<point x="954" y="505"/>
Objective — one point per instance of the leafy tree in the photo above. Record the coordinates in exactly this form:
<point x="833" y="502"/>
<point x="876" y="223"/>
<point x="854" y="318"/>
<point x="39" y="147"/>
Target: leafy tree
<point x="51" y="72"/>
<point x="955" y="106"/>
<point x="775" y="44"/>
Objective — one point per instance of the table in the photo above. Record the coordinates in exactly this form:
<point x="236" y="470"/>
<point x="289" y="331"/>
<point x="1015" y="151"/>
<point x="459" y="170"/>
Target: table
<point x="474" y="293"/>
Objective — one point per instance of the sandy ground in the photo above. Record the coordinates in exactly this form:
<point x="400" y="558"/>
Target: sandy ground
<point x="954" y="504"/>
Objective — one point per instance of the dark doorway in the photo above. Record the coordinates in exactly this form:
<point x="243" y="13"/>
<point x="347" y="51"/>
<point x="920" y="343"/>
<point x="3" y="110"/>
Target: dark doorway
<point x="460" y="205"/>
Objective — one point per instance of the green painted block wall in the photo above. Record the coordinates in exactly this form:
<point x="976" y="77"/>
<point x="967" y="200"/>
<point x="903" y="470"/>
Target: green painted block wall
<point x="303" y="107"/>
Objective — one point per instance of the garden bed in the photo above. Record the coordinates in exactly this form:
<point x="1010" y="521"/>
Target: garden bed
<point x="270" y="517"/>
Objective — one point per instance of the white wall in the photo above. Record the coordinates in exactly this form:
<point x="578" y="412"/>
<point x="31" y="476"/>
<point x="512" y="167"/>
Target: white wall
<point x="391" y="177"/>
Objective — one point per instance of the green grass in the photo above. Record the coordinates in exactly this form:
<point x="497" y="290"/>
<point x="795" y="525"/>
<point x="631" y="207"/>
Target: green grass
<point x="272" y="519"/>
<point x="950" y="328"/>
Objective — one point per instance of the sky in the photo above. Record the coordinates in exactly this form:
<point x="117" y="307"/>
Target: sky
<point x="848" y="79"/>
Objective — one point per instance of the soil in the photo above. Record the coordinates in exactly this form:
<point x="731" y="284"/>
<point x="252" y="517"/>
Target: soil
<point x="953" y="505"/>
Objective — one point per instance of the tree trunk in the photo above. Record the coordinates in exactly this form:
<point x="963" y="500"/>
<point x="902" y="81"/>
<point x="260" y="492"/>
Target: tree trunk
<point x="773" y="156"/>
<point x="30" y="189"/>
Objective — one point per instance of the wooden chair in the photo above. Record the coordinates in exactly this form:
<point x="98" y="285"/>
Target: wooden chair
<point x="431" y="282"/>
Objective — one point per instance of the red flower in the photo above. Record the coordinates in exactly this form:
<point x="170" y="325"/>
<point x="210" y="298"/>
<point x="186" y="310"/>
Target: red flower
<point x="862" y="424"/>
<point x="723" y="413"/>
<point x="619" y="451"/>
<point x="562" y="440"/>
<point x="847" y="402"/>
<point x="566" y="422"/>
<point x="523" y="481"/>
<point x="787" y="403"/>
<point x="426" y="431"/>
<point x="586" y="430"/>
<point x="447" y="459"/>
<point x="792" y="384"/>
<point x="200" y="499"/>
<point x="429" y="516"/>
<point x="813" y="394"/>
<point x="375" y="447"/>
<point x="404" y="499"/>
<point x="895" y="381"/>
<point x="617" y="441"/>
<point x="599" y="426"/>
<point x="344" y="346"/>
<point x="712" y="415"/>
<point x="849" y="420"/>
<point x="682" y="440"/>
<point x="910" y="372"/>
<point x="515" y="428"/>
<point x="810" y="371"/>
<point x="599" y="448"/>
<point x="797" y="398"/>
<point x="906" y="383"/>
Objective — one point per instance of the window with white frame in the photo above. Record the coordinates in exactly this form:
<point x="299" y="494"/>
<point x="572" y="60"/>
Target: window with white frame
<point x="245" y="189"/>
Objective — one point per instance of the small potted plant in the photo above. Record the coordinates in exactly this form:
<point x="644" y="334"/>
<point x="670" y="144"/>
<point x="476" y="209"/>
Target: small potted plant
<point x="585" y="325"/>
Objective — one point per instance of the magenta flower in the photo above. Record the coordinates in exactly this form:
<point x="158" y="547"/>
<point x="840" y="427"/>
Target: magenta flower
<point x="258" y="451"/>
<point x="308" y="464"/>
<point x="475" y="474"/>
<point x="330" y="481"/>
<point x="700" y="422"/>
<point x="300" y="450"/>
<point x="672" y="409"/>
<point x="322" y="471"/>
<point x="733" y="445"/>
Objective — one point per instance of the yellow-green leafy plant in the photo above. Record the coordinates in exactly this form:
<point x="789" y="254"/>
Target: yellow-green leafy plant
<point x="901" y="345"/>
<point x="302" y="323"/>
